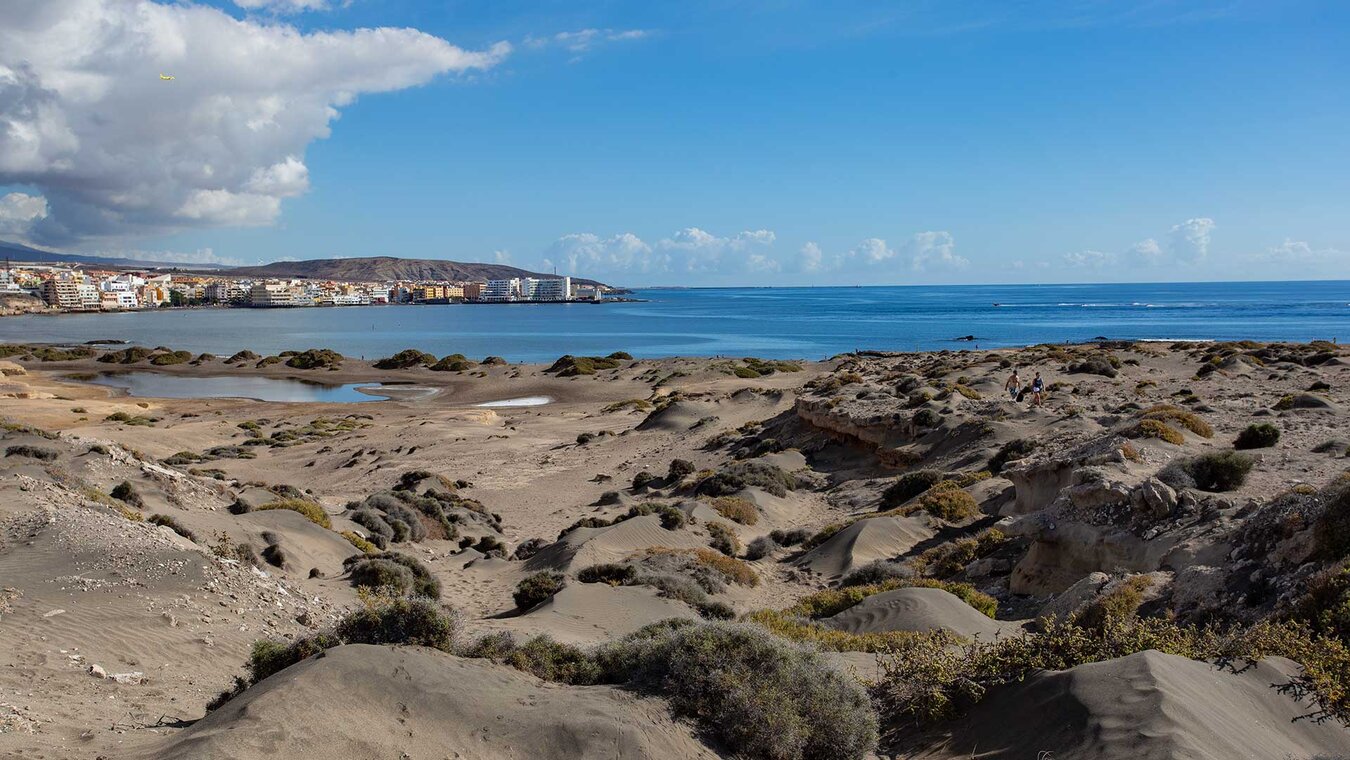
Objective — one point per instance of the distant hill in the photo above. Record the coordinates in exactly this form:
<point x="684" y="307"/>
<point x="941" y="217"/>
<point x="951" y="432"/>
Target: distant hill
<point x="379" y="268"/>
<point x="18" y="252"/>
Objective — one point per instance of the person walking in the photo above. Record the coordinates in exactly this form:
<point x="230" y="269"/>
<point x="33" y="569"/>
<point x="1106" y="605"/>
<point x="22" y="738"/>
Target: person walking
<point x="1037" y="390"/>
<point x="1014" y="385"/>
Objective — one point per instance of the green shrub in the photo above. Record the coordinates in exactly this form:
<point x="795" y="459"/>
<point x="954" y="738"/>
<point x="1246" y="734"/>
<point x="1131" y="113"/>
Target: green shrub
<point x="644" y="479"/>
<point x="399" y="573"/>
<point x="760" y="548"/>
<point x="908" y="486"/>
<point x="1325" y="607"/>
<point x="723" y="539"/>
<point x="172" y="524"/>
<point x="610" y="573"/>
<point x="126" y="493"/>
<point x="1156" y="429"/>
<point x="135" y="420"/>
<point x="1094" y="365"/>
<point x="759" y="696"/>
<point x="1331" y="529"/>
<point x="927" y="418"/>
<point x="406" y="359"/>
<point x="167" y="359"/>
<point x="1011" y="451"/>
<point x="679" y="470"/>
<point x="33" y="452"/>
<point x="571" y="366"/>
<point x="790" y="537"/>
<point x="1259" y="436"/>
<point x="362" y="545"/>
<point x="1216" y="472"/>
<point x="930" y="678"/>
<point x="751" y="474"/>
<point x="389" y="621"/>
<point x="313" y="512"/>
<point x="949" y="501"/>
<point x="538" y="588"/>
<point x="454" y="363"/>
<point x="315" y="358"/>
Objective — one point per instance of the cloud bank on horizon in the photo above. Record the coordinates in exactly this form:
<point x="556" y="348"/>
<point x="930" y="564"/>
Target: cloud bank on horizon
<point x="99" y="154"/>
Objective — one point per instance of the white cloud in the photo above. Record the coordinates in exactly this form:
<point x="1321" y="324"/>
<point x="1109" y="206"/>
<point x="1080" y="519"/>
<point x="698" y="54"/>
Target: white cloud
<point x="810" y="258"/>
<point x="924" y="251"/>
<point x="284" y="6"/>
<point x="688" y="250"/>
<point x="501" y="257"/>
<point x="1089" y="259"/>
<point x="118" y="152"/>
<point x="19" y="212"/>
<point x="934" y="250"/>
<point x="1300" y="253"/>
<point x="199" y="256"/>
<point x="1189" y="241"/>
<point x="1146" y="251"/>
<point x="584" y="40"/>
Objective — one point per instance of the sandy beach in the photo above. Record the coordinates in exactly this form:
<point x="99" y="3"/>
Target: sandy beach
<point x="149" y="542"/>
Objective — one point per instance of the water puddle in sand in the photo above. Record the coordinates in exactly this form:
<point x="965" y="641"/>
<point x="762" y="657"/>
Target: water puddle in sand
<point x="156" y="385"/>
<point x="522" y="401"/>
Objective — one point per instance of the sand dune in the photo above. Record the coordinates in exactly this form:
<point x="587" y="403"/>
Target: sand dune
<point x="592" y="612"/>
<point x="418" y="703"/>
<point x="584" y="547"/>
<point x="865" y="541"/>
<point x="1147" y="706"/>
<point x="678" y="416"/>
<point x="917" y="609"/>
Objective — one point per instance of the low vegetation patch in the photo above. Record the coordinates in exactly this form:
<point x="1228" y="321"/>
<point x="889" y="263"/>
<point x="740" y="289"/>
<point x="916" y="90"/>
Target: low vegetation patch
<point x="736" y="509"/>
<point x="169" y="358"/>
<point x="538" y="588"/>
<point x="406" y="359"/>
<point x="134" y="420"/>
<point x="572" y="366"/>
<point x="315" y="358"/>
<point x="454" y="363"/>
<point x="1262" y="435"/>
<point x="172" y="524"/>
<point x="1010" y="452"/>
<point x="1156" y="429"/>
<point x="312" y="511"/>
<point x="32" y="452"/>
<point x="1215" y="472"/>
<point x="908" y="486"/>
<point x="948" y="501"/>
<point x="1189" y="420"/>
<point x="738" y="476"/>
<point x="393" y="573"/>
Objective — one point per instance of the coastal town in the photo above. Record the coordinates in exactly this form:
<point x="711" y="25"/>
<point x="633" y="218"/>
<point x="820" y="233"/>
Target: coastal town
<point x="43" y="288"/>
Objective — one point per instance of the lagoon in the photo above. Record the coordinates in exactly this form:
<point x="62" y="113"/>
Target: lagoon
<point x="159" y="385"/>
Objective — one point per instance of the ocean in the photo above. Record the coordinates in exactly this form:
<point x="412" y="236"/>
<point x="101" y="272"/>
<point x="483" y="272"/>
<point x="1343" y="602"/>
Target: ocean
<point x="806" y="323"/>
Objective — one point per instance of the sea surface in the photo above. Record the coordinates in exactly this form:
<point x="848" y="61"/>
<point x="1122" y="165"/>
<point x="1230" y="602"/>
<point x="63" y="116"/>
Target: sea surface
<point x="807" y="323"/>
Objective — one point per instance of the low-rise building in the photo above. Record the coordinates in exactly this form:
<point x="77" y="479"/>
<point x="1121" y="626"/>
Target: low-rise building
<point x="270" y="295"/>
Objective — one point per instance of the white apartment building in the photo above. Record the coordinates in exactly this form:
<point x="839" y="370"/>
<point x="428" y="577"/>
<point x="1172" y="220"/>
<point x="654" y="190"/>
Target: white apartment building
<point x="276" y="294"/>
<point x="528" y="289"/>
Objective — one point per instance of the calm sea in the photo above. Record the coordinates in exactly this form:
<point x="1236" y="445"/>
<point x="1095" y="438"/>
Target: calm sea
<point x="806" y="323"/>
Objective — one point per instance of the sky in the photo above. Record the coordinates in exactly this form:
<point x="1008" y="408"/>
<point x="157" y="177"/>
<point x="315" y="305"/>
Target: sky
<point x="699" y="142"/>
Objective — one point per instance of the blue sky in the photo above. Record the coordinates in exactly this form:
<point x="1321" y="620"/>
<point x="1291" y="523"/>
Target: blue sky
<point x="714" y="143"/>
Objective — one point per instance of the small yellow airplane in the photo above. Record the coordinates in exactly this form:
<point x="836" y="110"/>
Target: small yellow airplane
<point x="166" y="77"/>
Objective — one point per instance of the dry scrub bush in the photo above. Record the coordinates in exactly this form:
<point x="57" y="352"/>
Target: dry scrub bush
<point x="535" y="589"/>
<point x="736" y="509"/>
<point x="1188" y="420"/>
<point x="311" y="511"/>
<point x="1259" y="436"/>
<point x="1156" y="429"/>
<point x="927" y="678"/>
<point x="948" y="501"/>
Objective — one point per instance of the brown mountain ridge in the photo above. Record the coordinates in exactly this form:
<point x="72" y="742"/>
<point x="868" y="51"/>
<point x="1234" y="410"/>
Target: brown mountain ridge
<point x="378" y="268"/>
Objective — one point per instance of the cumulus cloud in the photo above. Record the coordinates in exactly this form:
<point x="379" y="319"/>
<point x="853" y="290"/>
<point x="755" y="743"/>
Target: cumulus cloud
<point x="284" y="6"/>
<point x="934" y="250"/>
<point x="19" y="212"/>
<point x="1189" y="241"/>
<point x="1300" y="253"/>
<point x="924" y="251"/>
<point x="118" y="152"/>
<point x="689" y="250"/>
<point x="1089" y="259"/>
<point x="1146" y="251"/>
<point x="199" y="256"/>
<point x="584" y="40"/>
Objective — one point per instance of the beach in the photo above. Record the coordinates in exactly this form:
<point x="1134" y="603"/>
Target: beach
<point x="730" y="488"/>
